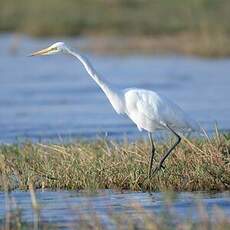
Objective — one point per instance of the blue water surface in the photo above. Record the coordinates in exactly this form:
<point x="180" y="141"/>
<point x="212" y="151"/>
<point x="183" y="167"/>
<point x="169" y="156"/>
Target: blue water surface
<point x="53" y="98"/>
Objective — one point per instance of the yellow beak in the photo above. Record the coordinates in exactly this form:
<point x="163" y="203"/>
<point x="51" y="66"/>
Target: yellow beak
<point x="41" y="52"/>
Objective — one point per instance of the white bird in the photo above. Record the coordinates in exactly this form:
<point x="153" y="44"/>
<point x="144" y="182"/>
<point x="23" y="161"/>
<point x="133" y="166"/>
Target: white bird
<point x="148" y="109"/>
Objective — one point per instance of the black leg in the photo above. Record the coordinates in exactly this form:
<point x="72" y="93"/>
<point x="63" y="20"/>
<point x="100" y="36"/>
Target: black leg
<point x="152" y="154"/>
<point x="168" y="152"/>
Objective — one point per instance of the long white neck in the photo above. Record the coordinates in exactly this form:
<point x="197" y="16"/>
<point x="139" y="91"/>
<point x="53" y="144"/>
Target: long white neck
<point x="114" y="98"/>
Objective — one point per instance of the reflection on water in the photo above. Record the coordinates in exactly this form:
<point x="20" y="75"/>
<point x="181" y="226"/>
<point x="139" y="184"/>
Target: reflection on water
<point x="52" y="98"/>
<point x="61" y="207"/>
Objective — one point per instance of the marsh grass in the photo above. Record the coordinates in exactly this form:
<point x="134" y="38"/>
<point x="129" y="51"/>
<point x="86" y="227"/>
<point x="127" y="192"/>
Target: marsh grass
<point x="56" y="17"/>
<point x="199" y="164"/>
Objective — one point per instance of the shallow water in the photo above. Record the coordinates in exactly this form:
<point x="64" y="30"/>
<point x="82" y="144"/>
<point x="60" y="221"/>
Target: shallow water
<point x="63" y="207"/>
<point x="53" y="98"/>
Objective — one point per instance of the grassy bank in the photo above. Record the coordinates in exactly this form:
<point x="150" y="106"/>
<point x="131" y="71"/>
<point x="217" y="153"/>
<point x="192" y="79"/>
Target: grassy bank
<point x="193" y="27"/>
<point x="186" y="43"/>
<point x="194" y="165"/>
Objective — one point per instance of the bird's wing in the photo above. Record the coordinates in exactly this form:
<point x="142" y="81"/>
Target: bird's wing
<point x="162" y="111"/>
<point x="149" y="109"/>
<point x="159" y="109"/>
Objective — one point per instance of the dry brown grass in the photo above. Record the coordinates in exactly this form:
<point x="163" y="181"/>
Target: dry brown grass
<point x="194" y="165"/>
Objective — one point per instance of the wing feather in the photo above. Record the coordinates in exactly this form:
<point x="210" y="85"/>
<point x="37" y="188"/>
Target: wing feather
<point x="162" y="111"/>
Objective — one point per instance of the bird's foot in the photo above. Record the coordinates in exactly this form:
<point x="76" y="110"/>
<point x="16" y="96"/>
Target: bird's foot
<point x="158" y="168"/>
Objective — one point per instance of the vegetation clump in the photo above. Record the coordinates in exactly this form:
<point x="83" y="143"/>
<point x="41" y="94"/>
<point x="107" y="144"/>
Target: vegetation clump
<point x="202" y="164"/>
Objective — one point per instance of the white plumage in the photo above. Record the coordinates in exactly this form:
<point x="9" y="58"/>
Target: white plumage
<point x="149" y="110"/>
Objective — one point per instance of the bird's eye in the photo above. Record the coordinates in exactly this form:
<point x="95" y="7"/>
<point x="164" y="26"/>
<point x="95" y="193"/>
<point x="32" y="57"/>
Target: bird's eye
<point x="54" y="49"/>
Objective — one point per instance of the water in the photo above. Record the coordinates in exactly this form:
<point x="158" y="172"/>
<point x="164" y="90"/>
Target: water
<point x="63" y="207"/>
<point x="53" y="98"/>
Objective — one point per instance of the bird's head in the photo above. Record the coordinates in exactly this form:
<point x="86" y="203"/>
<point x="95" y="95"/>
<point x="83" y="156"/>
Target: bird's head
<point x="53" y="49"/>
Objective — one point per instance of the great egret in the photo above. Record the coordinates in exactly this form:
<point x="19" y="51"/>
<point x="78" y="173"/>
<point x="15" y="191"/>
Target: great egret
<point x="149" y="110"/>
